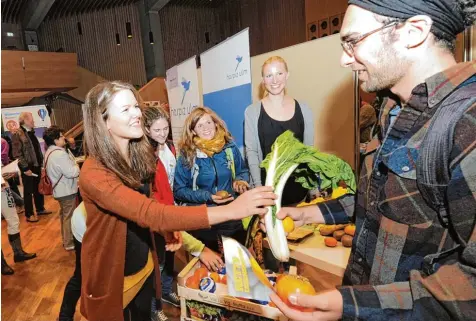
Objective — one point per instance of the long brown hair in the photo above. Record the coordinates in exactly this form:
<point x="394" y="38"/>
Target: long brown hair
<point x="150" y="115"/>
<point x="263" y="91"/>
<point x="186" y="144"/>
<point x="100" y="145"/>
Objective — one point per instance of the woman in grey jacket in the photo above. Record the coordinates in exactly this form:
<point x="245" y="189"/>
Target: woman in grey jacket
<point x="63" y="172"/>
<point x="270" y="117"/>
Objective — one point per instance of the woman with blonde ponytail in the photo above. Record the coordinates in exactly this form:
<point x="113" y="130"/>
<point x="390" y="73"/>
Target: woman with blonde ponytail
<point x="275" y="113"/>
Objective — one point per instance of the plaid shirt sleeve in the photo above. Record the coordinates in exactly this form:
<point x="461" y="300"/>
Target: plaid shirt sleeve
<point x="338" y="211"/>
<point x="450" y="292"/>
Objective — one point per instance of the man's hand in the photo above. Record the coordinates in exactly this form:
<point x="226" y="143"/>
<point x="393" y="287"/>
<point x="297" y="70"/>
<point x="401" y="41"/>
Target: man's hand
<point x="328" y="306"/>
<point x="300" y="215"/>
<point x="28" y="173"/>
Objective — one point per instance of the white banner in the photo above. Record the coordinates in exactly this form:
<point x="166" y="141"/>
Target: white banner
<point x="40" y="116"/>
<point x="226" y="81"/>
<point x="39" y="112"/>
<point x="184" y="95"/>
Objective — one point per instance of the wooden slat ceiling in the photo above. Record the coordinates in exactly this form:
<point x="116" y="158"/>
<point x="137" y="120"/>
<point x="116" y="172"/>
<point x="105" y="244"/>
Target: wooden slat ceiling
<point x="62" y="8"/>
<point x="11" y="10"/>
<point x="196" y="3"/>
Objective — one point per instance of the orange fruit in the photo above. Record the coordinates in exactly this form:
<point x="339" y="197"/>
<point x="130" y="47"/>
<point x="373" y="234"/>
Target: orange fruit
<point x="223" y="279"/>
<point x="201" y="272"/>
<point x="288" y="224"/>
<point x="291" y="284"/>
<point x="215" y="277"/>
<point x="350" y="229"/>
<point x="192" y="282"/>
<point x="330" y="242"/>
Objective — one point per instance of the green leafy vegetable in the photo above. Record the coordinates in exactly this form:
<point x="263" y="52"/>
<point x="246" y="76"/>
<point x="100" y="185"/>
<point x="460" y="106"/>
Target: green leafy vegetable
<point x="289" y="152"/>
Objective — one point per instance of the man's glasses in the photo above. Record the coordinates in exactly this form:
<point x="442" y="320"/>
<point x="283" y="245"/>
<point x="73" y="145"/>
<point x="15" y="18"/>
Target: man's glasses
<point x="348" y="46"/>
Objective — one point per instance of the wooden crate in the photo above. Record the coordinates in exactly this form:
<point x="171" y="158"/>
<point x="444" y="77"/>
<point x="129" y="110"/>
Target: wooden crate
<point x="220" y="298"/>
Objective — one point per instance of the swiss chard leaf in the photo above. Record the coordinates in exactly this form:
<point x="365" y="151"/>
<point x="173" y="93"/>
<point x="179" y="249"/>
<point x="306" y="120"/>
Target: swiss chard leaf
<point x="290" y="151"/>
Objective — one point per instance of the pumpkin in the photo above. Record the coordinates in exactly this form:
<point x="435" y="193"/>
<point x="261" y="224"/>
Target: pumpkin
<point x="291" y="284"/>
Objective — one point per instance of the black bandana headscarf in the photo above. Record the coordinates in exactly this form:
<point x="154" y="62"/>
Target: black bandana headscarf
<point x="447" y="16"/>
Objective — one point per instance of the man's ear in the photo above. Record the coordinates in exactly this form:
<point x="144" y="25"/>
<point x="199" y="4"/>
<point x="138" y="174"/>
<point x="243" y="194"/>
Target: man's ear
<point x="416" y="30"/>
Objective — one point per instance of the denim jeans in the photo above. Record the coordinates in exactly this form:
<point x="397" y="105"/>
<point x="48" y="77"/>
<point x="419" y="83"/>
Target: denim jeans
<point x="166" y="273"/>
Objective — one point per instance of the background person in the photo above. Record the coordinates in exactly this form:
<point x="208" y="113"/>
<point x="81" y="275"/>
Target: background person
<point x="63" y="173"/>
<point x="270" y="117"/>
<point x="13" y="229"/>
<point x="26" y="148"/>
<point x="155" y="121"/>
<point x="210" y="162"/>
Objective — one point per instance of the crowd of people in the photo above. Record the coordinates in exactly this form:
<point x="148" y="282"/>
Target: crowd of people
<point x="413" y="254"/>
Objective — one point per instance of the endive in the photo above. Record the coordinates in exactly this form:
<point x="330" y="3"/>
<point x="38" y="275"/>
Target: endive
<point x="287" y="153"/>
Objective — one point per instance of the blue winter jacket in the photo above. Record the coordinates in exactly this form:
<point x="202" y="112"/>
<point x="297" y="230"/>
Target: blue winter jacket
<point x="210" y="175"/>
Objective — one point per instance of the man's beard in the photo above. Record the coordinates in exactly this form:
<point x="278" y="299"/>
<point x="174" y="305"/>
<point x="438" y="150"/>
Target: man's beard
<point x="389" y="70"/>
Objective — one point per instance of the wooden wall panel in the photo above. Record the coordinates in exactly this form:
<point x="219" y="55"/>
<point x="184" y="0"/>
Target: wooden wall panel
<point x="183" y="32"/>
<point x="65" y="114"/>
<point x="273" y="24"/>
<point x="320" y="9"/>
<point x="15" y="42"/>
<point x="96" y="47"/>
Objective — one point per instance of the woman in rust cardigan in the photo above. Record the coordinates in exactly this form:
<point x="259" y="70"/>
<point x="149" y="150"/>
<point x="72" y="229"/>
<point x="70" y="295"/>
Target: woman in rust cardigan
<point x="116" y="262"/>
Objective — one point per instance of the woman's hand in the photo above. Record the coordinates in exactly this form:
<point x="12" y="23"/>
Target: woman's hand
<point x="173" y="241"/>
<point x="247" y="204"/>
<point x="252" y="202"/>
<point x="328" y="306"/>
<point x="240" y="186"/>
<point x="212" y="260"/>
<point x="222" y="200"/>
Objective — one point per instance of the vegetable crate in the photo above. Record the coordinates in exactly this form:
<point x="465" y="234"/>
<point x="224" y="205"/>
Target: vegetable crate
<point x="219" y="306"/>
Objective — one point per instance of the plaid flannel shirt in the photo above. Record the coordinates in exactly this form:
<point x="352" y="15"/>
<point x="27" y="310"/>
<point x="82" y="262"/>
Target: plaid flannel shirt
<point x="396" y="228"/>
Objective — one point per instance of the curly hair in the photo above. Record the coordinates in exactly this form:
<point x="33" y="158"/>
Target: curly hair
<point x="186" y="144"/>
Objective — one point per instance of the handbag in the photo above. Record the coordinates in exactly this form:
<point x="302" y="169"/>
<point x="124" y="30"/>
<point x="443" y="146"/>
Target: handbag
<point x="44" y="187"/>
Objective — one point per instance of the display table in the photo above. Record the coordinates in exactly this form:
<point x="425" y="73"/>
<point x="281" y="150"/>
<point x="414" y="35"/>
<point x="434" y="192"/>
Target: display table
<point x="312" y="251"/>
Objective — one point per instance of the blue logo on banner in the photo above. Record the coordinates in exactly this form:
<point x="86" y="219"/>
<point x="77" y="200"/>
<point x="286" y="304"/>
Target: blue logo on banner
<point x="186" y="86"/>
<point x="239" y="59"/>
<point x="42" y="113"/>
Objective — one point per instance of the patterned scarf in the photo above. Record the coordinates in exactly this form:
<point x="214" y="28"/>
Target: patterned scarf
<point x="212" y="146"/>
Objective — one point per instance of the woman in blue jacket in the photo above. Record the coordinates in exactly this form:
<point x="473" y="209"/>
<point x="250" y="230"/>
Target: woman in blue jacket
<point x="210" y="163"/>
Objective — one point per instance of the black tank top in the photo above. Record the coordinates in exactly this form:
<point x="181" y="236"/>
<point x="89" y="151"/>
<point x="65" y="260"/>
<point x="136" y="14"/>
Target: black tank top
<point x="268" y="130"/>
<point x="138" y="242"/>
